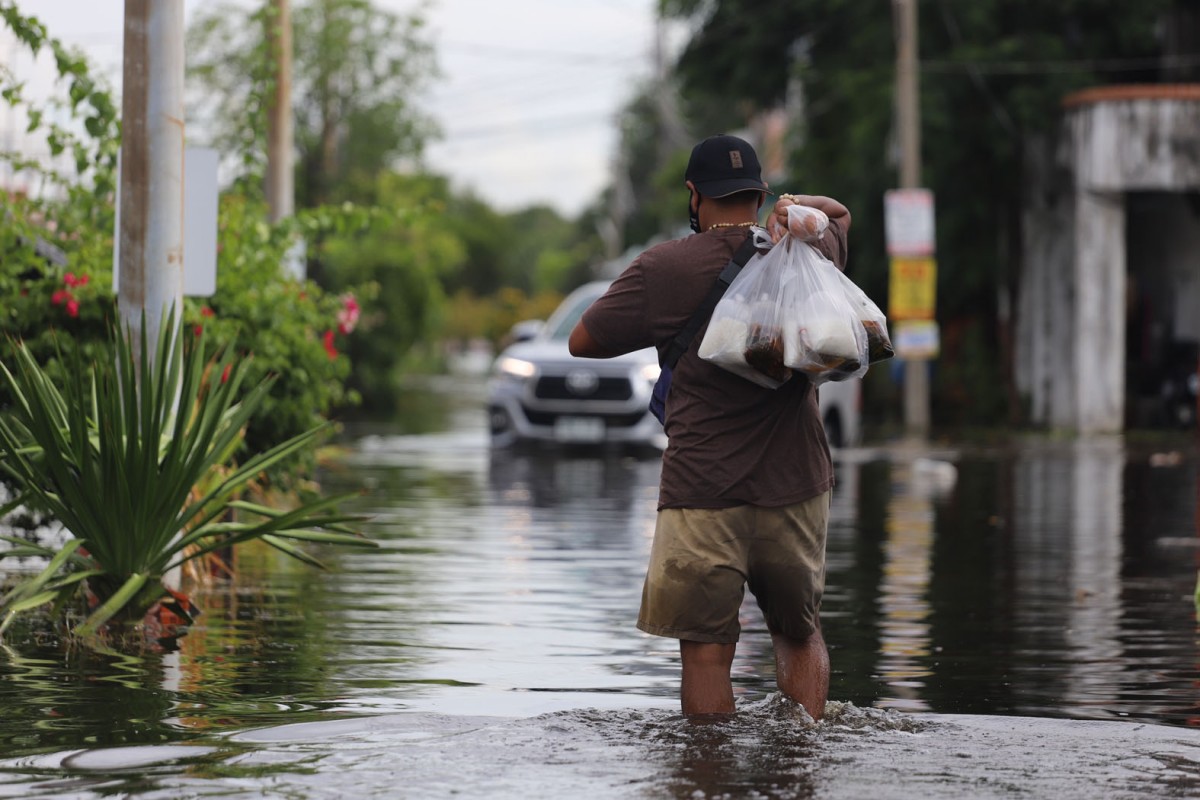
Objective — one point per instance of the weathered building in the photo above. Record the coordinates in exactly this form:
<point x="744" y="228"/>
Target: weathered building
<point x="1110" y="283"/>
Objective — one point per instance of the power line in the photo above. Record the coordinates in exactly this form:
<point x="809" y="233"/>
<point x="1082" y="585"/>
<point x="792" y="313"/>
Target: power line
<point x="492" y="51"/>
<point x="1057" y="67"/>
<point x="545" y="125"/>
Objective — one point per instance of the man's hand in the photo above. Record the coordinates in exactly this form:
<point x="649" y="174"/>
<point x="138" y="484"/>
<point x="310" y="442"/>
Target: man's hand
<point x="777" y="224"/>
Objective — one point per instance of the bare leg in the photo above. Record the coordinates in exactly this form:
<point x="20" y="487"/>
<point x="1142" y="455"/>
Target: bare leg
<point x="802" y="670"/>
<point x="706" y="687"/>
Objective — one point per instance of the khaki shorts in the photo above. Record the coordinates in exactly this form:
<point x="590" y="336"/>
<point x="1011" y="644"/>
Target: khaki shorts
<point x="703" y="558"/>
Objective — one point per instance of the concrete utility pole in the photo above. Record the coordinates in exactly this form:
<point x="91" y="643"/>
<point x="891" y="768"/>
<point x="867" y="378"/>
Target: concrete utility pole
<point x="280" y="179"/>
<point x="908" y="119"/>
<point x="151" y="198"/>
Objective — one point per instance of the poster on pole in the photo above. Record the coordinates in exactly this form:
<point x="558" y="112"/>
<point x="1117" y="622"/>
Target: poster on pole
<point x="908" y="222"/>
<point x="913" y="293"/>
<point x="917" y="340"/>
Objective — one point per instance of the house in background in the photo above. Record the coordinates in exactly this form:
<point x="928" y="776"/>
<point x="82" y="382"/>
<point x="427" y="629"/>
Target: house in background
<point x="1109" y="303"/>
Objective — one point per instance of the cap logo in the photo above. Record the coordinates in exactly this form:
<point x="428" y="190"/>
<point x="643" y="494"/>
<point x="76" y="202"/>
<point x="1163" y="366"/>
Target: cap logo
<point x="735" y="159"/>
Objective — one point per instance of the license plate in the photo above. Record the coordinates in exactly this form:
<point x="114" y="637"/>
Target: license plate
<point x="579" y="429"/>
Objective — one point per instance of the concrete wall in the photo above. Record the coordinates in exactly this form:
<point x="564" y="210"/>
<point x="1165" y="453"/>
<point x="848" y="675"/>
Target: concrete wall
<point x="1072" y="309"/>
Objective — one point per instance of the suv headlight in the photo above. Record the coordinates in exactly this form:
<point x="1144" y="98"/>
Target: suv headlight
<point x="515" y="368"/>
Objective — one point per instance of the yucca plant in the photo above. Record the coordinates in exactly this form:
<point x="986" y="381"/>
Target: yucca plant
<point x="134" y="456"/>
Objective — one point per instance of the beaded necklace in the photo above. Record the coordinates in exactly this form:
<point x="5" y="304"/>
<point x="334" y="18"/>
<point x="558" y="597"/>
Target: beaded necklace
<point x="730" y="225"/>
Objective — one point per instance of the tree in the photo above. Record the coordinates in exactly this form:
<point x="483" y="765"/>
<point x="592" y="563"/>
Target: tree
<point x="993" y="74"/>
<point x="357" y="71"/>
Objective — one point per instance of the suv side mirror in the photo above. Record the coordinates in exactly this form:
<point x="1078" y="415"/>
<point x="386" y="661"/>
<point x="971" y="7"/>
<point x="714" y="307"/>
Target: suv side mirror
<point x="525" y="330"/>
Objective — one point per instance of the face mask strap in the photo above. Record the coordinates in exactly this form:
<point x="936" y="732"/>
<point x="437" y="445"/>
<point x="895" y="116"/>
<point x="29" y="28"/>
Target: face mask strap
<point x="694" y="213"/>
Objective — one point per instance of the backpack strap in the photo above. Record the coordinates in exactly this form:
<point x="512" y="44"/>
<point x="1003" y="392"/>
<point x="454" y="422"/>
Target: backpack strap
<point x="683" y="339"/>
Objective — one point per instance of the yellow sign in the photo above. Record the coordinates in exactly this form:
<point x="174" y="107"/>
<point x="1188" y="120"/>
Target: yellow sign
<point x="913" y="288"/>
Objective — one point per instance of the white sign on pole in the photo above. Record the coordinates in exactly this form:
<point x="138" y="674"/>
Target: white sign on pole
<point x="908" y="222"/>
<point x="199" y="223"/>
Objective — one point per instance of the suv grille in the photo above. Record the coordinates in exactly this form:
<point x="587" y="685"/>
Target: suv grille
<point x="610" y="420"/>
<point x="554" y="387"/>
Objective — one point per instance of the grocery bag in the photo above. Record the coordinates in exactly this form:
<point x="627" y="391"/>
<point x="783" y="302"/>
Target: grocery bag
<point x="744" y="335"/>
<point x="823" y="335"/>
<point x="792" y="310"/>
<point x="879" y="343"/>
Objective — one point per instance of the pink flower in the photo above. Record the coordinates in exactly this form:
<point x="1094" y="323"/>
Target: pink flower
<point x="71" y="279"/>
<point x="330" y="350"/>
<point x="347" y="317"/>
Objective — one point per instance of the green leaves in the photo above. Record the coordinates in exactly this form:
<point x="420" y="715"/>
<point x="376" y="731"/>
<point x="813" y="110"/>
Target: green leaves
<point x="133" y="456"/>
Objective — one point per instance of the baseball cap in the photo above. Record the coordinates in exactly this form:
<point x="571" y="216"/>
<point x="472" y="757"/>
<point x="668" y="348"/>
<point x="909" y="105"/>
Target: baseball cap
<point x="722" y="165"/>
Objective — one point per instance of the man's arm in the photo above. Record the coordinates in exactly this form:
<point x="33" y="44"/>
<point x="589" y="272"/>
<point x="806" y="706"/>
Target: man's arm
<point x="582" y="345"/>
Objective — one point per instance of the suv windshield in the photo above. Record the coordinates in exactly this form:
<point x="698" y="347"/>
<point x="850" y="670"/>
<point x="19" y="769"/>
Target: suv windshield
<point x="562" y="321"/>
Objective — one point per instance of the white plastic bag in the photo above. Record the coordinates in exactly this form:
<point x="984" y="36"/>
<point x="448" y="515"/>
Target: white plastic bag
<point x="740" y="337"/>
<point x="792" y="309"/>
<point x="823" y="336"/>
<point x="879" y="343"/>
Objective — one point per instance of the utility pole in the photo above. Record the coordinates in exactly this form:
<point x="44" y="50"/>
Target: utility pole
<point x="280" y="189"/>
<point x="152" y="137"/>
<point x="908" y="120"/>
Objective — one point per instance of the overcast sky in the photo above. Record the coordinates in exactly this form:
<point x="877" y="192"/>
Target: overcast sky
<point x="528" y="98"/>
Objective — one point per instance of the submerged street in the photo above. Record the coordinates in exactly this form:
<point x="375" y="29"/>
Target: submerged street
<point x="981" y="600"/>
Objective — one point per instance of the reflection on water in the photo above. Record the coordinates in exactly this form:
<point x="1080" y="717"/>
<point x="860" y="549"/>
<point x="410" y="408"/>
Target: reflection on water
<point x="903" y="598"/>
<point x="1035" y="579"/>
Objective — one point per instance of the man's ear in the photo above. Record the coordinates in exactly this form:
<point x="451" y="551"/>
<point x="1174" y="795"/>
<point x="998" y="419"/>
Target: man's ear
<point x="694" y="200"/>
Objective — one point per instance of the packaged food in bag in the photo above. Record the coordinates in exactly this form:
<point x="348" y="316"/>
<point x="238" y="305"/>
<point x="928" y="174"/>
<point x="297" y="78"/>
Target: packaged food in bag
<point x="737" y="340"/>
<point x="823" y="336"/>
<point x="791" y="309"/>
<point x="879" y="343"/>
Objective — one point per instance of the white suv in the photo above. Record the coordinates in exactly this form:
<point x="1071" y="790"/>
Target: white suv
<point x="539" y="392"/>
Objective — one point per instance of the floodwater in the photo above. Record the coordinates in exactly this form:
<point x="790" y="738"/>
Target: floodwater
<point x="1009" y="619"/>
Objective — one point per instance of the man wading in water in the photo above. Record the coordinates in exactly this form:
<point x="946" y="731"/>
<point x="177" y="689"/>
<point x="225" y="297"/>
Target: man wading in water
<point x="747" y="474"/>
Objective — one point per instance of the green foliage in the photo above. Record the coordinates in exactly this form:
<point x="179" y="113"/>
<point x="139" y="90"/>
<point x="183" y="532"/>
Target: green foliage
<point x="993" y="74"/>
<point x="87" y="102"/>
<point x="134" y="457"/>
<point x="357" y="70"/>
<point x="56" y="253"/>
<point x="491" y="318"/>
<point x="403" y="261"/>
<point x="56" y="269"/>
<point x="289" y="327"/>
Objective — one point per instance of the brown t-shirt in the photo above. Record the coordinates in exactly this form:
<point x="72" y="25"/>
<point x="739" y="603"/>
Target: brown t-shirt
<point x="731" y="441"/>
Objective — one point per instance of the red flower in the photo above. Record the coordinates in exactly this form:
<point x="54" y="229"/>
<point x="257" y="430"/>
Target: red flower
<point x="206" y="312"/>
<point x="330" y="350"/>
<point x="225" y="373"/>
<point x="71" y="279"/>
<point x="197" y="329"/>
<point x="73" y="307"/>
<point x="60" y="297"/>
<point x="347" y="317"/>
